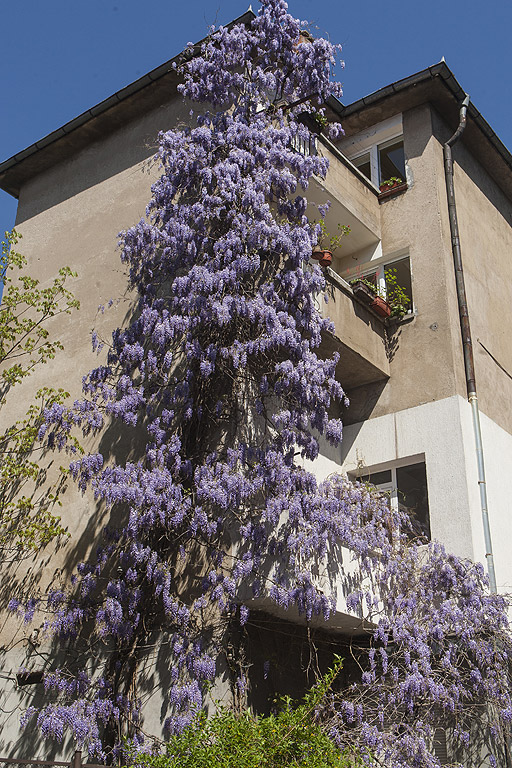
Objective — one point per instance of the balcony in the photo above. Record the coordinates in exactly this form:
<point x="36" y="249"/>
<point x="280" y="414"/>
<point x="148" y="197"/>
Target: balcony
<point x="354" y="202"/>
<point x="359" y="335"/>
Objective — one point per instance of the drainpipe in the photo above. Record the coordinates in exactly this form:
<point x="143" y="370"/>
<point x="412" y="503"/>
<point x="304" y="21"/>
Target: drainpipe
<point x="467" y="346"/>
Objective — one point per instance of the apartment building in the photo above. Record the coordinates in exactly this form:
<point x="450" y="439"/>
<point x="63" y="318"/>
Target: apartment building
<point x="409" y="425"/>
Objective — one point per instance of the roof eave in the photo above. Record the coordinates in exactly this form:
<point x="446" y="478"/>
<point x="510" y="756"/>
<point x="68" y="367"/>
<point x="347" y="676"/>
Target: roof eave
<point x="446" y="76"/>
<point x="10" y="181"/>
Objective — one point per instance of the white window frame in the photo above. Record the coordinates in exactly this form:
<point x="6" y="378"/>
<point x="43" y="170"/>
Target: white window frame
<point x="390" y="488"/>
<point x="370" y="141"/>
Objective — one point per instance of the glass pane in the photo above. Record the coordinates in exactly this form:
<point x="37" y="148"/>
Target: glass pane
<point x="376" y="478"/>
<point x="363" y="163"/>
<point x="398" y="276"/>
<point x="413" y="497"/>
<point x="392" y="161"/>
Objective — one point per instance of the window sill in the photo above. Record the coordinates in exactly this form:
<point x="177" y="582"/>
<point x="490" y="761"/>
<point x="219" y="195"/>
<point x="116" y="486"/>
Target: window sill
<point x="393" y="192"/>
<point x="392" y="322"/>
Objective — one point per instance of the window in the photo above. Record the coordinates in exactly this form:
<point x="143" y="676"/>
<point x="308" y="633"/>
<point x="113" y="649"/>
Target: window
<point x="383" y="161"/>
<point x="388" y="276"/>
<point x="378" y="151"/>
<point x="407" y="489"/>
<point x="391" y="160"/>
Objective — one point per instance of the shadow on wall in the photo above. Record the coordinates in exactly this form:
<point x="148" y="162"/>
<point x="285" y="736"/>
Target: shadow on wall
<point x="23" y="579"/>
<point x="363" y="401"/>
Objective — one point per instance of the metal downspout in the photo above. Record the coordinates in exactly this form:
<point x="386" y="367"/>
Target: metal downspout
<point x="467" y="345"/>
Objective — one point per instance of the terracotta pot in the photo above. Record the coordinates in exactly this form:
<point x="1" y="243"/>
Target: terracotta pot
<point x="323" y="257"/>
<point x="396" y="185"/>
<point x="326" y="259"/>
<point x="381" y="307"/>
<point x="363" y="291"/>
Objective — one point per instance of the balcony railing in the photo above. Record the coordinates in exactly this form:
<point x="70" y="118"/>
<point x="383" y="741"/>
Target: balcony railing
<point x="359" y="335"/>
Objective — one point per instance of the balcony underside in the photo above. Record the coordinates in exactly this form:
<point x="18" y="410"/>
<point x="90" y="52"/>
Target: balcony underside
<point x="352" y="202"/>
<point x="359" y="337"/>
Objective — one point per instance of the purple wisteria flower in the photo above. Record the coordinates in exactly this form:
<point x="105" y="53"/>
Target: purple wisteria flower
<point x="220" y="388"/>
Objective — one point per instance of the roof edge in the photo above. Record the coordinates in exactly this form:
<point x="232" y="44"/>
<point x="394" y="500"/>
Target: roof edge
<point x="105" y="105"/>
<point x="442" y="71"/>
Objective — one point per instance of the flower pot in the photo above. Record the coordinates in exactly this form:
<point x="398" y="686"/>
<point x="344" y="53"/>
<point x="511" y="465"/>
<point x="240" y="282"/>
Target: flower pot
<point x="397" y="185"/>
<point x="363" y="291"/>
<point x="323" y="257"/>
<point x="381" y="307"/>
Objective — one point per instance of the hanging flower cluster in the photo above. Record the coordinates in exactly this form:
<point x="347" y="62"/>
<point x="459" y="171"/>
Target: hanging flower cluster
<point x="222" y="394"/>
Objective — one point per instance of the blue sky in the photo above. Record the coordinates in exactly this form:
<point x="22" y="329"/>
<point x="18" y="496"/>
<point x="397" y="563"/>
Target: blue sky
<point x="60" y="57"/>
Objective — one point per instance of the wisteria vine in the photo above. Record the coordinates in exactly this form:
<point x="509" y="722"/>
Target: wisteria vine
<point x="222" y="392"/>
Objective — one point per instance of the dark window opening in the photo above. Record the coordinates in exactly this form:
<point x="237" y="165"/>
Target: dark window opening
<point x="364" y="165"/>
<point x="284" y="659"/>
<point x="377" y="478"/>
<point x="392" y="161"/>
<point x="408" y="492"/>
<point x="413" y="497"/>
<point x="398" y="276"/>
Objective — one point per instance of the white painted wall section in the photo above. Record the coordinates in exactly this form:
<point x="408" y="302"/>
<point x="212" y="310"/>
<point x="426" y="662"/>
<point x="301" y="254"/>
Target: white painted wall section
<point x="432" y="431"/>
<point x="497" y="445"/>
<point x="441" y="434"/>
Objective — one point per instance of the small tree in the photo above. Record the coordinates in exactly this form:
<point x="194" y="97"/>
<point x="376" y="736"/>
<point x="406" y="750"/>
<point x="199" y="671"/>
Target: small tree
<point x="220" y="374"/>
<point x="292" y="737"/>
<point x="27" y="502"/>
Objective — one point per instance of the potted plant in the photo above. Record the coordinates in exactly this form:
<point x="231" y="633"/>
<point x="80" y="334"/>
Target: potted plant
<point x="391" y="183"/>
<point x="364" y="289"/>
<point x="381" y="306"/>
<point x="394" y="302"/>
<point x="396" y="295"/>
<point x="368" y="292"/>
<point x="319" y="121"/>
<point x="316" y="121"/>
<point x="322" y="254"/>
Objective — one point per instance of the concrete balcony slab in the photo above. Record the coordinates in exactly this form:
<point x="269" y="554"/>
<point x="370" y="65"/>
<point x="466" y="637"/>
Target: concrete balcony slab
<point x="359" y="335"/>
<point x="353" y="199"/>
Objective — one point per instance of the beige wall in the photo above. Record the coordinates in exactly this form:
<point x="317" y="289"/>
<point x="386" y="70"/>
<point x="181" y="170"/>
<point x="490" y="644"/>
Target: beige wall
<point x="71" y="215"/>
<point x="485" y="219"/>
<point x="422" y="350"/>
<point x="426" y="360"/>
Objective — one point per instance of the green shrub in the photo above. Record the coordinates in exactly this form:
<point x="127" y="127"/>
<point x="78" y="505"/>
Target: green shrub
<point x="288" y="739"/>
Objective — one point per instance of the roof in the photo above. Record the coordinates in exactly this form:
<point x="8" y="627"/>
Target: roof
<point x="144" y="94"/>
<point x="436" y="84"/>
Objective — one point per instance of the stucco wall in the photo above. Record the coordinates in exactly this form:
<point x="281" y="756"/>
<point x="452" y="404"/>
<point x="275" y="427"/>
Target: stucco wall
<point x="71" y="215"/>
<point x="432" y="430"/>
<point x="485" y="223"/>
<point x="423" y="351"/>
<point x="497" y="445"/>
<point x="441" y="434"/>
